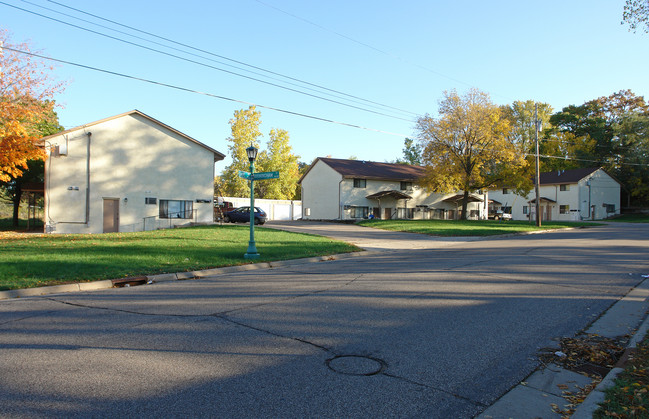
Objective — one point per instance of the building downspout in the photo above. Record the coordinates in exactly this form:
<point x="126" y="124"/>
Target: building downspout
<point x="340" y="217"/>
<point x="87" y="211"/>
<point x="89" y="134"/>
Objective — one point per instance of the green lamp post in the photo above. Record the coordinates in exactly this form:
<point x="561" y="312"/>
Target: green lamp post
<point x="252" y="248"/>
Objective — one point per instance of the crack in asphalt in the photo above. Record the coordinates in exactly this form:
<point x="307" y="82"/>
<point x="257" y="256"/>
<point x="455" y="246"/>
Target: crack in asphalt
<point x="450" y="393"/>
<point x="223" y="316"/>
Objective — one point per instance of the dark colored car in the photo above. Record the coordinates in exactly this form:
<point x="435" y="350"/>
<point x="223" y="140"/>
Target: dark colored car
<point x="242" y="215"/>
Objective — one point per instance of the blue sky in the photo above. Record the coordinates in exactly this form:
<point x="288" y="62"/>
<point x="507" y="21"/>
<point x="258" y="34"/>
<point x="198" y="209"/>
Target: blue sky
<point x="399" y="54"/>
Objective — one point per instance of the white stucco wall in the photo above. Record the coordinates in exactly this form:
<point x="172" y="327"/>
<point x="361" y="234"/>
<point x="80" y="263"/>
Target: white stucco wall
<point x="585" y="199"/>
<point x="320" y="193"/>
<point x="328" y="196"/>
<point x="128" y="158"/>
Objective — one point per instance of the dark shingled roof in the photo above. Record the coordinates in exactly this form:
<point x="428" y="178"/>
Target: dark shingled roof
<point x="566" y="176"/>
<point x="374" y="170"/>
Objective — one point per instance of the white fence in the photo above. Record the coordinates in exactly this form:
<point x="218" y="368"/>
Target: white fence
<point x="275" y="209"/>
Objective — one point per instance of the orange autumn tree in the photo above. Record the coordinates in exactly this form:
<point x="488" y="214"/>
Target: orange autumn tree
<point x="26" y="90"/>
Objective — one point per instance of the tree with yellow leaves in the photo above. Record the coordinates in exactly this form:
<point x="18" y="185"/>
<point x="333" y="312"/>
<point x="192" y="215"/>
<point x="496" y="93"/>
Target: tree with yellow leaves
<point x="26" y="90"/>
<point x="277" y="157"/>
<point x="468" y="147"/>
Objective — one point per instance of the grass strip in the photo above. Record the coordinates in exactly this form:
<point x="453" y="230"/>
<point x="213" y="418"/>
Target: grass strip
<point x="469" y="227"/>
<point x="629" y="397"/>
<point x="36" y="260"/>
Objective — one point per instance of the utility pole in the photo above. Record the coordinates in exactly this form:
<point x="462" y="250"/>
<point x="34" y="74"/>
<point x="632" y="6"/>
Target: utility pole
<point x="537" y="178"/>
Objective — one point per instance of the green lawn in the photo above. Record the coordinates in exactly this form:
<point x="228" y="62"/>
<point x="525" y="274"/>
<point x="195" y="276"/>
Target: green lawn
<point x="466" y="228"/>
<point x="632" y="218"/>
<point x="27" y="261"/>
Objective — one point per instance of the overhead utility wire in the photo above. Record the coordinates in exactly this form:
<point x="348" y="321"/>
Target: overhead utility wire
<point x="584" y="160"/>
<point x="364" y="44"/>
<point x="230" y="59"/>
<point x="184" y="89"/>
<point x="339" y="96"/>
<point x="205" y="65"/>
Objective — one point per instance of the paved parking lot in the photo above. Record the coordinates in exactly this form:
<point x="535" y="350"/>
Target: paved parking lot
<point x="437" y="328"/>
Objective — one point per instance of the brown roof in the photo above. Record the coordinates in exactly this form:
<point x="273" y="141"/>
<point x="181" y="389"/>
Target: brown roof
<point x="394" y="194"/>
<point x="566" y="176"/>
<point x="459" y="197"/>
<point x="373" y="170"/>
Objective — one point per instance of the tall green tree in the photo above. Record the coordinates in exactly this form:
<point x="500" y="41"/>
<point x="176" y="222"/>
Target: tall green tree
<point x="279" y="157"/>
<point x="469" y="146"/>
<point x="521" y="116"/>
<point x="245" y="132"/>
<point x="412" y="152"/>
<point x="610" y="132"/>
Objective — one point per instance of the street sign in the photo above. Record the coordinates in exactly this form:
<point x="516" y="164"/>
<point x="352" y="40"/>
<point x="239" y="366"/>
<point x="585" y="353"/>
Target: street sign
<point x="265" y="175"/>
<point x="245" y="175"/>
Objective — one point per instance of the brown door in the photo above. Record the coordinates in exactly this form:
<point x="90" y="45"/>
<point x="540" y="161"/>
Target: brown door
<point x="111" y="215"/>
<point x="387" y="213"/>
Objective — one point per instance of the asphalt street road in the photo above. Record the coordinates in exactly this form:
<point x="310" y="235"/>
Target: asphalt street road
<point x="441" y="329"/>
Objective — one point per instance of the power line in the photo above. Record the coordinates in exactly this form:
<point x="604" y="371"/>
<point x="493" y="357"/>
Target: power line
<point x="586" y="160"/>
<point x="328" y="91"/>
<point x="393" y="56"/>
<point x="205" y="65"/>
<point x="184" y="89"/>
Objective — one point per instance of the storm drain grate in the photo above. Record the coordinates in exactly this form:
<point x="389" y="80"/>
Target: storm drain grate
<point x="356" y="365"/>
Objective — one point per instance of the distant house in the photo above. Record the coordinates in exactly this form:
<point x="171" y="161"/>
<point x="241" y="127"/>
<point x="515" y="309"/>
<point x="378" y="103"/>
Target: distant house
<point x="338" y="189"/>
<point x="566" y="195"/>
<point x="126" y="173"/>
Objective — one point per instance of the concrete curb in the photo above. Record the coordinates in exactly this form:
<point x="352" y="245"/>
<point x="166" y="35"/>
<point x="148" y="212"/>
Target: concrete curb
<point x="178" y="276"/>
<point x="534" y="396"/>
<point x="597" y="396"/>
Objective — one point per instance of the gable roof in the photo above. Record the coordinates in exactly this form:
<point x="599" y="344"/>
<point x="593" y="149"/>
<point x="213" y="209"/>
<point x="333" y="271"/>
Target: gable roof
<point x="371" y="170"/>
<point x="566" y="176"/>
<point x="217" y="155"/>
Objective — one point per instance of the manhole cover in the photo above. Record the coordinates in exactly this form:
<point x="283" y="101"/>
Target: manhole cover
<point x="355" y="365"/>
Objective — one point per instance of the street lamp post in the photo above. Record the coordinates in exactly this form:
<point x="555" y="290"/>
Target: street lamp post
<point x="252" y="248"/>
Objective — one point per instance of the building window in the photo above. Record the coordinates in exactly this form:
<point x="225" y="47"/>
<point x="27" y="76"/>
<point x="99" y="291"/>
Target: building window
<point x="505" y="191"/>
<point x="610" y="208"/>
<point x="407" y="213"/>
<point x="564" y="188"/>
<point x="176" y="209"/>
<point x="506" y="210"/>
<point x="524" y="209"/>
<point x="359" y="212"/>
<point x="150" y="201"/>
<point x="564" y="209"/>
<point x="406" y="185"/>
<point x="360" y="183"/>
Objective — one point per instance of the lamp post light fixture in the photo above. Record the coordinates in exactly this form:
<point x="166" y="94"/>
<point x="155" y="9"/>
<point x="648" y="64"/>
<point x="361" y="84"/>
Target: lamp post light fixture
<point x="252" y="248"/>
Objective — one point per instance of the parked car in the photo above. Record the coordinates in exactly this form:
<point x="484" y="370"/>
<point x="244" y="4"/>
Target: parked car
<point x="500" y="215"/>
<point x="242" y="215"/>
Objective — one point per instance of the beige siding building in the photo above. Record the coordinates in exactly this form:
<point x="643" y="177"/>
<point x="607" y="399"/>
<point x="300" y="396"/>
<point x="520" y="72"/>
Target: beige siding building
<point x="126" y="173"/>
<point x="567" y="195"/>
<point x="338" y="189"/>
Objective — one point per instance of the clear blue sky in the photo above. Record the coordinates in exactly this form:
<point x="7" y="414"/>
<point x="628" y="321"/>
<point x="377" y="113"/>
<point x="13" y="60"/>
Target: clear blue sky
<point x="400" y="54"/>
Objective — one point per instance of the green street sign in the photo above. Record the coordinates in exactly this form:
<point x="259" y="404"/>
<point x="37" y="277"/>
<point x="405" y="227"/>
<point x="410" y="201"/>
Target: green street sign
<point x="245" y="175"/>
<point x="265" y="175"/>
